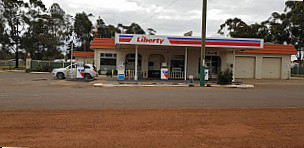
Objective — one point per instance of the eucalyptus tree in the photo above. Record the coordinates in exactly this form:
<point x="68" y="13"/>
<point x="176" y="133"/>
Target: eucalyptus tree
<point x="3" y="38"/>
<point x="284" y="28"/>
<point x="60" y="27"/>
<point x="83" y="29"/>
<point x="151" y="31"/>
<point x="294" y="18"/>
<point x="13" y="25"/>
<point x="134" y="28"/>
<point x="106" y="31"/>
<point x="48" y="31"/>
<point x="36" y="19"/>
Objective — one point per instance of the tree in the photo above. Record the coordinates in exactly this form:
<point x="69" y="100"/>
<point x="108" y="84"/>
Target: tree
<point x="294" y="20"/>
<point x="151" y="31"/>
<point x="105" y="31"/>
<point x="134" y="28"/>
<point x="12" y="13"/>
<point x="101" y="28"/>
<point x="239" y="29"/>
<point x="29" y="27"/>
<point x="285" y="28"/>
<point x="59" y="29"/>
<point x="47" y="31"/>
<point x="3" y="36"/>
<point x="36" y="20"/>
<point x="83" y="29"/>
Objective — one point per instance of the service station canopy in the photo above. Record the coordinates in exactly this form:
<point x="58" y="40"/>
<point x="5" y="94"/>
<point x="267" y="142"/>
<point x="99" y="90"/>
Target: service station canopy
<point x="155" y="40"/>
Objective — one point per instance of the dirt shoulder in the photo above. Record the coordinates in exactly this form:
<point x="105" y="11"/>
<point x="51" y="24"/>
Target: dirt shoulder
<point x="154" y="128"/>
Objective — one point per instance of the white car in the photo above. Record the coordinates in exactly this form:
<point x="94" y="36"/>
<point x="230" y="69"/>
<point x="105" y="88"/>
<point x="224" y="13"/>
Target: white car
<point x="89" y="71"/>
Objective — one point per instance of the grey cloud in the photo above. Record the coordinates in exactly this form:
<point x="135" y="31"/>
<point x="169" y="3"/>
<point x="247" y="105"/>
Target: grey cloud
<point x="250" y="11"/>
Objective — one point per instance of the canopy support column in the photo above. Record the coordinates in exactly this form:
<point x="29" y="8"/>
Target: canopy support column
<point x="233" y="67"/>
<point x="136" y="63"/>
<point x="186" y="63"/>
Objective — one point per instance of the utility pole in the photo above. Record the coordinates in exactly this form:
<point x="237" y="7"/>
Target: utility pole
<point x="17" y="43"/>
<point x="72" y="46"/>
<point x="202" y="63"/>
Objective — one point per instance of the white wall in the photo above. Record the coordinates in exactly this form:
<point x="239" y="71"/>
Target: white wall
<point x="193" y="59"/>
<point x="285" y="64"/>
<point x="84" y="60"/>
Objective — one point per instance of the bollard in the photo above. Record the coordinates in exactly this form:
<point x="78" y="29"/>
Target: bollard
<point x="191" y="81"/>
<point x="129" y="72"/>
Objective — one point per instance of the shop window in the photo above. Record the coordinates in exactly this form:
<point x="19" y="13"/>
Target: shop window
<point x="109" y="55"/>
<point x="178" y="63"/>
<point x="212" y="63"/>
<point x="130" y="62"/>
<point x="108" y="61"/>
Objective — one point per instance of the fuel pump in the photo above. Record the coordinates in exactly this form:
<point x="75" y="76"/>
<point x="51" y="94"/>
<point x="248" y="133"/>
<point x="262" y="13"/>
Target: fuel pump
<point x="164" y="71"/>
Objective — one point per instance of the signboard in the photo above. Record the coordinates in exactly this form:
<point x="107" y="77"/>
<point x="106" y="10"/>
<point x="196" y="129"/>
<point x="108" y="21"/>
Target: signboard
<point x="155" y="40"/>
<point x="121" y="72"/>
<point x="212" y="53"/>
<point x="164" y="74"/>
<point x="206" y="74"/>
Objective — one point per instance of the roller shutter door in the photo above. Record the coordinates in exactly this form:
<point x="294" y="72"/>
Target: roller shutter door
<point x="245" y="67"/>
<point x="271" y="68"/>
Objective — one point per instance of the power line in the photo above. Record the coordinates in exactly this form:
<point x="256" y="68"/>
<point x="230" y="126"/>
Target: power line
<point x="165" y="8"/>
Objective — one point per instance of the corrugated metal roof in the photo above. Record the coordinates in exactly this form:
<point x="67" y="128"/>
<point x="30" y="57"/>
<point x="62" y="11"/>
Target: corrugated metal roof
<point x="273" y="49"/>
<point x="83" y="54"/>
<point x="103" y="43"/>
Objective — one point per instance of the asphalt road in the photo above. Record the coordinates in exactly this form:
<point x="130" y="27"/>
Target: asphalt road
<point x="22" y="91"/>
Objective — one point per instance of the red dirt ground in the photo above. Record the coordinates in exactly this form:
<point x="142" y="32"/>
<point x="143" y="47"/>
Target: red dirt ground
<point x="237" y="128"/>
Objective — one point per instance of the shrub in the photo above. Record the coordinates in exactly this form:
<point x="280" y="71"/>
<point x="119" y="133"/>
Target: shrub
<point x="45" y="68"/>
<point x="109" y="73"/>
<point x="225" y="78"/>
<point x="99" y="71"/>
<point x="28" y="70"/>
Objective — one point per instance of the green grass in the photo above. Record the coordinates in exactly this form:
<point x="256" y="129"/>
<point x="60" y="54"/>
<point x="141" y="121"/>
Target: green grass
<point x="5" y="67"/>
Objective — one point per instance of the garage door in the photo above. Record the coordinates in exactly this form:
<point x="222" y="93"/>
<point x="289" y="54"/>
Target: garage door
<point x="271" y="68"/>
<point x="245" y="67"/>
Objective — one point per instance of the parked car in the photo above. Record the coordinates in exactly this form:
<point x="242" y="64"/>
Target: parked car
<point x="89" y="71"/>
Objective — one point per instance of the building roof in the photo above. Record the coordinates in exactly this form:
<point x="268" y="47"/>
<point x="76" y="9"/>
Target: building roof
<point x="157" y="40"/>
<point x="83" y="54"/>
<point x="273" y="49"/>
<point x="109" y="43"/>
<point x="103" y="43"/>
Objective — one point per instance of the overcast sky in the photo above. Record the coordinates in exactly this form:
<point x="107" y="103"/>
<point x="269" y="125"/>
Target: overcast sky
<point x="172" y="17"/>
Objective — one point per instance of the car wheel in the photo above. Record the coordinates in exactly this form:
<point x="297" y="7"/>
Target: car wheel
<point x="87" y="76"/>
<point x="60" y="75"/>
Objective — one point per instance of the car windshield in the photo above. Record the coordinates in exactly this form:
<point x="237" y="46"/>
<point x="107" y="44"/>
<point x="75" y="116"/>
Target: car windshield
<point x="74" y="66"/>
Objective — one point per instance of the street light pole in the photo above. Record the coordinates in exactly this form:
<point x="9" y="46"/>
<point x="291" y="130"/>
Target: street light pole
<point x="17" y="43"/>
<point x="203" y="48"/>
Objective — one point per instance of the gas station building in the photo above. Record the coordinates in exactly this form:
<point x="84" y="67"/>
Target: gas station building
<point x="142" y="56"/>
